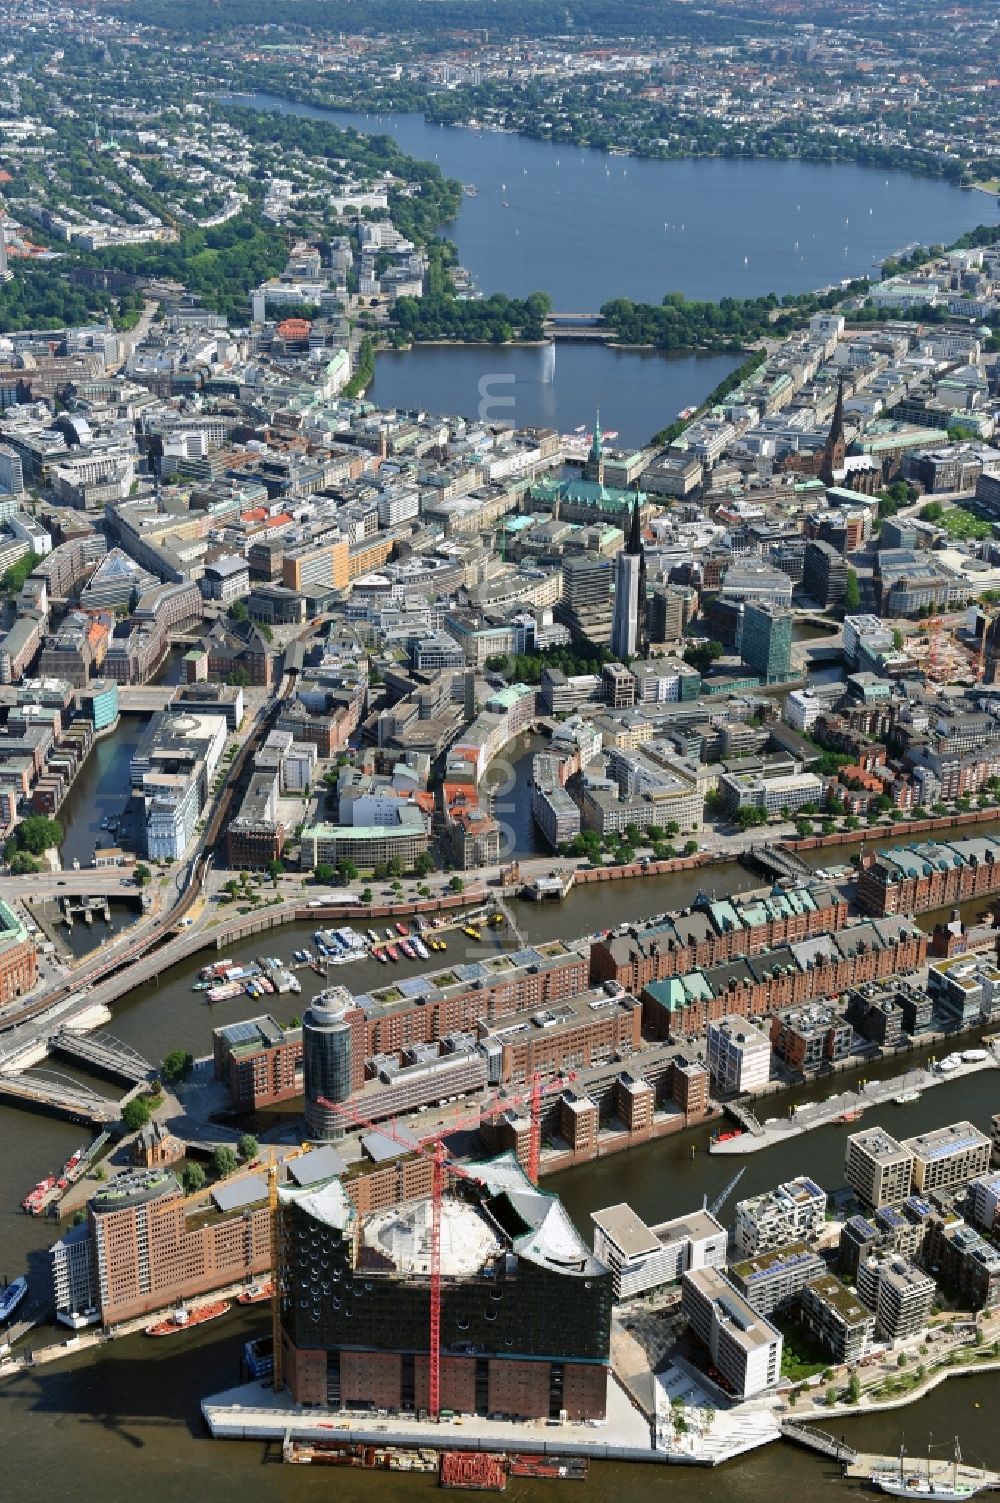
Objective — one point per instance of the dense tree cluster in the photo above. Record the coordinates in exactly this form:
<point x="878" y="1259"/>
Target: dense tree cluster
<point x="42" y="296"/>
<point x="508" y="18"/>
<point x="362" y="377"/>
<point x="493" y="320"/>
<point x="680" y="323"/>
<point x="218" y="265"/>
<point x="526" y="667"/>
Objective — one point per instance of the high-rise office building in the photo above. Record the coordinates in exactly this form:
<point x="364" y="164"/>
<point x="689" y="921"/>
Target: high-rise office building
<point x="766" y="641"/>
<point x="628" y="626"/>
<point x="332" y="1059"/>
<point x="585" y="606"/>
<point x="824" y="575"/>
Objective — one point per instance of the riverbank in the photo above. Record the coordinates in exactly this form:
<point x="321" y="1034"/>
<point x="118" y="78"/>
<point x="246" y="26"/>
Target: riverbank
<point x="254" y="1411"/>
<point x="933" y="823"/>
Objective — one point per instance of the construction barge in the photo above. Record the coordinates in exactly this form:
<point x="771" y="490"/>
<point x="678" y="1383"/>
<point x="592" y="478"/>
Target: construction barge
<point x="469" y="1471"/>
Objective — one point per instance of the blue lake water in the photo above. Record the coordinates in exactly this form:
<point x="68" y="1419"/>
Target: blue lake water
<point x="638" y="391"/>
<point x="585" y="226"/>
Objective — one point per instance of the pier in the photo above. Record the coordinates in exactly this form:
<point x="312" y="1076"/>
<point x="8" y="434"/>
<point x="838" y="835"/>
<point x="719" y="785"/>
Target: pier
<point x="846" y="1107"/>
<point x="943" y="1473"/>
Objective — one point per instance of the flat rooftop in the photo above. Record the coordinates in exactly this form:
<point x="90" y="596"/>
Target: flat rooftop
<point x="878" y="1145"/>
<point x="698" y="1225"/>
<point x="957" y="1137"/>
<point x="739" y="1318"/>
<point x="627" y="1230"/>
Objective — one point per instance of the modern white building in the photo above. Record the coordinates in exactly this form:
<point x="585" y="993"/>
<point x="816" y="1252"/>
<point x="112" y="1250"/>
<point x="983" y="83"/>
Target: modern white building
<point x="298" y="767"/>
<point x="738" y="1055"/>
<point x="870" y="630"/>
<point x="74" y="1278"/>
<point x="171" y="816"/>
<point x="983" y="1201"/>
<point x="752" y="790"/>
<point x="802" y="709"/>
<point x="642" y="1258"/>
<point x="744" y="1346"/>
<point x="793" y="1212"/>
<point x="396" y="505"/>
<point x="31" y="532"/>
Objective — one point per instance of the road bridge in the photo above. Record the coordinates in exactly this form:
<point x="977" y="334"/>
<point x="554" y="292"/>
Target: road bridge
<point x="143" y="699"/>
<point x="564" y="332"/>
<point x="88" y="882"/>
<point x="776" y="860"/>
<point x="103" y="1053"/>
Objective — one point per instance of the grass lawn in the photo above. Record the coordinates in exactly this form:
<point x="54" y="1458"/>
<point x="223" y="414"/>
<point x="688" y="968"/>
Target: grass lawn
<point x="962" y="524"/>
<point x="800" y="1358"/>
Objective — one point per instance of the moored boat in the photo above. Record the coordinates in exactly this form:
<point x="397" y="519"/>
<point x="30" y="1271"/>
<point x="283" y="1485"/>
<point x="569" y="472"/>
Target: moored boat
<point x="184" y="1319"/>
<point x="256" y="1294"/>
<point x="11" y="1296"/>
<point x="946" y="1487"/>
<point x="227" y="989"/>
<point x="32" y="1202"/>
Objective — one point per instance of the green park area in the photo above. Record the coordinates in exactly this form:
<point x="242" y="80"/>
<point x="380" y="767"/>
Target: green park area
<point x="963" y="524"/>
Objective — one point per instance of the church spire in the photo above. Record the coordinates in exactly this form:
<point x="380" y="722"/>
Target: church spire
<point x="834" y="449"/>
<point x="597" y="442"/>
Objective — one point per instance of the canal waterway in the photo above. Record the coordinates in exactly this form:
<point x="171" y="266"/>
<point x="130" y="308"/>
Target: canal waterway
<point x="586" y="226"/>
<point x="99" y="792"/>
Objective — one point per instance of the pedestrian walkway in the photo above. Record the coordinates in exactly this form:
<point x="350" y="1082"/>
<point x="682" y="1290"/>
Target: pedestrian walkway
<point x="708" y="1432"/>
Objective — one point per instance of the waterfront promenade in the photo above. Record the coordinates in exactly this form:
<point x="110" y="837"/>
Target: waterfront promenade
<point x="848" y="1105"/>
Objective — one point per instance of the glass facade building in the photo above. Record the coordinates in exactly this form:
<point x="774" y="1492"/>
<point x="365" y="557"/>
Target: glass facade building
<point x="327" y="1061"/>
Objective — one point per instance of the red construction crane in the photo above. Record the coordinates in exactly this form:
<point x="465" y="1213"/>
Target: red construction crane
<point x="437" y="1156"/>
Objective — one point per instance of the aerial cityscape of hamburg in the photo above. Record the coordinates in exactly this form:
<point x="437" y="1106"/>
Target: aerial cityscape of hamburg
<point x="499" y="748"/>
